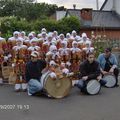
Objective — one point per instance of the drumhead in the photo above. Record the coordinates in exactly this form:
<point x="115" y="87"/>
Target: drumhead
<point x="110" y="79"/>
<point x="58" y="88"/>
<point x="93" y="87"/>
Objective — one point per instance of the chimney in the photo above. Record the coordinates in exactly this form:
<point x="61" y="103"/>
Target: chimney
<point x="74" y="6"/>
<point x="86" y="14"/>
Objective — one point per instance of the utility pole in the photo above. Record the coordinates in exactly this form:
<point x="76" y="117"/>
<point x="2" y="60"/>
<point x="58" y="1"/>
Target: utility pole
<point x="97" y="4"/>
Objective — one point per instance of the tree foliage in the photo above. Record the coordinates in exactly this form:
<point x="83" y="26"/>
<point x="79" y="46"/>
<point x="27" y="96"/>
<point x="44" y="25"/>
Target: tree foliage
<point x="29" y="16"/>
<point x="68" y="24"/>
<point x="27" y="9"/>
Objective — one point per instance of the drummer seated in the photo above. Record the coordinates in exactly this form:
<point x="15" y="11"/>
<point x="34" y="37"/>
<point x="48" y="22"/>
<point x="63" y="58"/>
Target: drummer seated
<point x="89" y="69"/>
<point x="108" y="64"/>
<point x="33" y="73"/>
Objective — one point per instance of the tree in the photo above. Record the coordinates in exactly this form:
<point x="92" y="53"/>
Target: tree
<point x="31" y="1"/>
<point x="28" y="9"/>
<point x="11" y="24"/>
<point x="68" y="24"/>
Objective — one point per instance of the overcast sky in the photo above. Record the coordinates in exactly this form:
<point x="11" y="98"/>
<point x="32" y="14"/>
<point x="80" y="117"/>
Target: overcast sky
<point x="79" y="3"/>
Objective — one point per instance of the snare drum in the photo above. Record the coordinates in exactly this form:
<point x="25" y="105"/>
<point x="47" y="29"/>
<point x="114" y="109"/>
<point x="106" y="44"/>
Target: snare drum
<point x="93" y="87"/>
<point x="110" y="79"/>
<point x="57" y="88"/>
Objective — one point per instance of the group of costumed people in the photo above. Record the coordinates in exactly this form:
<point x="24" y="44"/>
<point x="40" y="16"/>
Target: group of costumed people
<point x="33" y="55"/>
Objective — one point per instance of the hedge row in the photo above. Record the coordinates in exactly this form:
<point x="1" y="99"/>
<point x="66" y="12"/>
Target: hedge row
<point x="11" y="24"/>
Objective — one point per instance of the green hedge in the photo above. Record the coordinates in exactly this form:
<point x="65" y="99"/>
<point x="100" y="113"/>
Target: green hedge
<point x="11" y="24"/>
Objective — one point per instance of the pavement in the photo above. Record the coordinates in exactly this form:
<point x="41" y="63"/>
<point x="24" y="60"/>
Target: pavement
<point x="20" y="106"/>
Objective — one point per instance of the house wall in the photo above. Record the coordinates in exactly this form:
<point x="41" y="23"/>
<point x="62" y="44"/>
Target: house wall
<point x="117" y="4"/>
<point x="108" y="5"/>
<point x="113" y="5"/>
<point x="113" y="34"/>
<point x="60" y="14"/>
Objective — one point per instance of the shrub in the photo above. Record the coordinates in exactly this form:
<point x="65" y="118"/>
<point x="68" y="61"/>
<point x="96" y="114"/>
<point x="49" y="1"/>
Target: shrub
<point x="11" y="24"/>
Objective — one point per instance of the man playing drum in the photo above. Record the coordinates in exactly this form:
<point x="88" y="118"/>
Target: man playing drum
<point x="108" y="64"/>
<point x="89" y="69"/>
<point x="34" y="72"/>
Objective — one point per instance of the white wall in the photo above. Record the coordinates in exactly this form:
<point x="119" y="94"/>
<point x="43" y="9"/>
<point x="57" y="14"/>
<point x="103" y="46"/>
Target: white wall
<point x="117" y="4"/>
<point x="108" y="5"/>
<point x="60" y="14"/>
<point x="112" y="5"/>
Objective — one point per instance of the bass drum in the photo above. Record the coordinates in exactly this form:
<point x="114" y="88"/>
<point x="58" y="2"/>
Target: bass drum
<point x="56" y="88"/>
<point x="93" y="87"/>
<point x="110" y="79"/>
<point x="12" y="78"/>
<point x="44" y="77"/>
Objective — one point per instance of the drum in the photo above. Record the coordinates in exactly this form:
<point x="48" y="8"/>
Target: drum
<point x="44" y="77"/>
<point x="93" y="87"/>
<point x="12" y="78"/>
<point x="110" y="79"/>
<point x="5" y="70"/>
<point x="57" y="88"/>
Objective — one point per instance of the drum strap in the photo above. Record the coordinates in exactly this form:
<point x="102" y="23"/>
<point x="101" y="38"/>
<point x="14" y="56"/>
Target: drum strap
<point x="108" y="64"/>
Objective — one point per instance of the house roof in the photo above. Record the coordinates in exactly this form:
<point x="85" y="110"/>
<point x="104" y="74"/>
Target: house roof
<point x="108" y="19"/>
<point x="74" y="12"/>
<point x="105" y="19"/>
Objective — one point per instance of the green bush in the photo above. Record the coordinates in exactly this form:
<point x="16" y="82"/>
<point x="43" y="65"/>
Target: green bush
<point x="50" y="25"/>
<point x="68" y="24"/>
<point x="11" y="24"/>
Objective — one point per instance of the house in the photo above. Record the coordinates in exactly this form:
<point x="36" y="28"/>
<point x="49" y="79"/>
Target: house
<point x="104" y="22"/>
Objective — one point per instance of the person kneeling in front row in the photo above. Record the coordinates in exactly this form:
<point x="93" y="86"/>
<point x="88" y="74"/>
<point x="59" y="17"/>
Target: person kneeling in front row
<point x="33" y="73"/>
<point x="89" y="69"/>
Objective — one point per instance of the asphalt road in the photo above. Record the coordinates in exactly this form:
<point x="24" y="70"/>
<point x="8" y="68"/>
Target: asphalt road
<point x="20" y="106"/>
